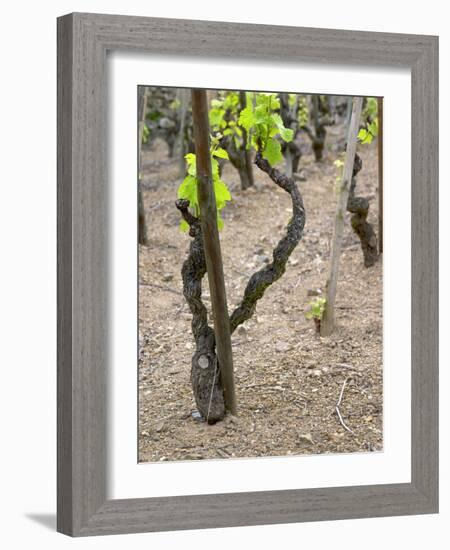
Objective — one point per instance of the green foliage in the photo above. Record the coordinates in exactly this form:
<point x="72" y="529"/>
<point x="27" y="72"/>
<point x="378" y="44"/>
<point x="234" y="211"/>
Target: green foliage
<point x="264" y="125"/>
<point x="316" y="308"/>
<point x="145" y="133"/>
<point x="175" y="104"/>
<point x="259" y="118"/>
<point x="272" y="151"/>
<point x="303" y="111"/>
<point x="339" y="163"/>
<point x="370" y="118"/>
<point x="370" y="110"/>
<point x="224" y="113"/>
<point x="188" y="187"/>
<point x="292" y="100"/>
<point x="223" y="117"/>
<point x="366" y="135"/>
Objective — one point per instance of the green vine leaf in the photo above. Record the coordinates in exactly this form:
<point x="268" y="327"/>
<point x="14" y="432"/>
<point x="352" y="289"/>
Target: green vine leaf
<point x="216" y="117"/>
<point x="370" y="116"/>
<point x="286" y="134"/>
<point x="220" y="153"/>
<point x="188" y="187"/>
<point x="247" y="118"/>
<point x="272" y="151"/>
<point x="184" y="226"/>
<point x="316" y="309"/>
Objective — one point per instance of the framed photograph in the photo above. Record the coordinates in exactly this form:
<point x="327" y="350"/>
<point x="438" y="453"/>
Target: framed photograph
<point x="247" y="274"/>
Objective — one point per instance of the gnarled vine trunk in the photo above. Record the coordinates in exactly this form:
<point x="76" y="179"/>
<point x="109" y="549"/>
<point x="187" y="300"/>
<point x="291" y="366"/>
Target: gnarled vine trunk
<point x="359" y="207"/>
<point x="239" y="154"/>
<point x="239" y="158"/>
<point x="263" y="278"/>
<point x="206" y="385"/>
<point x="320" y="119"/>
<point x="142" y="223"/>
<point x="205" y="370"/>
<point x="291" y="150"/>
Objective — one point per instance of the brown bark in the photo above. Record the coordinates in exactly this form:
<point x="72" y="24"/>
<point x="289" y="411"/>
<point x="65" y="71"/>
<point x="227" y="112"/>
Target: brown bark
<point x="291" y="151"/>
<point x="263" y="278"/>
<point x="380" y="174"/>
<point x="246" y="180"/>
<point x="359" y="207"/>
<point x="238" y="158"/>
<point x="211" y="244"/>
<point x="320" y="119"/>
<point x="142" y="224"/>
<point x="328" y="319"/>
<point x="206" y="383"/>
<point x="205" y="379"/>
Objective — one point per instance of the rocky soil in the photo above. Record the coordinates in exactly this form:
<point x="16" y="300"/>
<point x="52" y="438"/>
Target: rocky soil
<point x="288" y="379"/>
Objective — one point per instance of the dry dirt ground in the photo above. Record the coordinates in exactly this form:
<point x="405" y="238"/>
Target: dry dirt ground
<point x="288" y="378"/>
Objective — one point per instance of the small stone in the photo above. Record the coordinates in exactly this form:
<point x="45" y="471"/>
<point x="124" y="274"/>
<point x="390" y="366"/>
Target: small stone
<point x="314" y="292"/>
<point x="165" y="123"/>
<point x="299" y="176"/>
<point x="263" y="258"/>
<point x="281" y="347"/>
<point x="167" y="277"/>
<point x="306" y="438"/>
<point x="197" y="416"/>
<point x="242" y="331"/>
<point x="159" y="427"/>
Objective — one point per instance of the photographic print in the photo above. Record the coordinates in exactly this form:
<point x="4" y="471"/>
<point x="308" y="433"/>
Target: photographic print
<point x="296" y="184"/>
<point x="248" y="325"/>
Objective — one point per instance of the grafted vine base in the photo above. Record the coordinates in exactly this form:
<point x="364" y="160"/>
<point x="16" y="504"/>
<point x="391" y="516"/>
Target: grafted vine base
<point x="205" y="379"/>
<point x="205" y="371"/>
<point x="359" y="207"/>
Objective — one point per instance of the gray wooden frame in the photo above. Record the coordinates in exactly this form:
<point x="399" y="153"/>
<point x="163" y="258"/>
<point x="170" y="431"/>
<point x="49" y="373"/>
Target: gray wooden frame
<point x="83" y="40"/>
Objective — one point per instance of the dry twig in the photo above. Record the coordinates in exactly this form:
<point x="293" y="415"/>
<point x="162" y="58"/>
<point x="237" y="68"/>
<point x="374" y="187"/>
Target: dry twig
<point x="161" y="287"/>
<point x="338" y="412"/>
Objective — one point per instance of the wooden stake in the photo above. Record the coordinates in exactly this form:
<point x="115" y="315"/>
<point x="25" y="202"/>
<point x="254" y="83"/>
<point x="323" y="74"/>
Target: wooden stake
<point x="380" y="174"/>
<point x="247" y="152"/>
<point x="211" y="243"/>
<point x="183" y="97"/>
<point x="327" y="323"/>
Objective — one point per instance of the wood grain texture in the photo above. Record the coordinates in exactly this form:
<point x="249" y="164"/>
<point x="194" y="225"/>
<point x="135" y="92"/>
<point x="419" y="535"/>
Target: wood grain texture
<point x="83" y="318"/>
<point x="64" y="275"/>
<point x="425" y="273"/>
<point x="82" y="280"/>
<point x="211" y="247"/>
<point x="380" y="146"/>
<point x="327" y="324"/>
